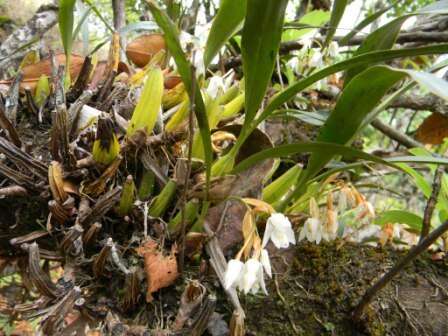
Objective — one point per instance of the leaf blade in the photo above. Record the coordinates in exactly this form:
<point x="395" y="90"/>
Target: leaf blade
<point x="227" y="21"/>
<point x="260" y="44"/>
<point x="337" y="12"/>
<point x="185" y="70"/>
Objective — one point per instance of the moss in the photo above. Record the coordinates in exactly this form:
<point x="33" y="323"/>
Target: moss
<point x="323" y="284"/>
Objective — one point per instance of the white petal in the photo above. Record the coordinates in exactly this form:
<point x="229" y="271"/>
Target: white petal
<point x="233" y="273"/>
<point x="250" y="276"/>
<point x="264" y="258"/>
<point x="291" y="235"/>
<point x="279" y="239"/>
<point x="318" y="236"/>
<point x="267" y="233"/>
<point x="302" y="234"/>
<point x="261" y="281"/>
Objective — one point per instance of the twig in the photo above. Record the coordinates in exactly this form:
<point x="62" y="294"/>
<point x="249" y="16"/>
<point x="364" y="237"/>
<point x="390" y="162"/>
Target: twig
<point x="187" y="175"/>
<point x="385" y="279"/>
<point x="399" y="137"/>
<point x="431" y="204"/>
<point x="12" y="99"/>
<point x="82" y="81"/>
<point x="219" y="264"/>
<point x="405" y="37"/>
<point x="9" y="128"/>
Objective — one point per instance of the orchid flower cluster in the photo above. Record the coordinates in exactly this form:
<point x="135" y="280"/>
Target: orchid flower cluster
<point x="324" y="226"/>
<point x="248" y="276"/>
<point x="317" y="228"/>
<point x="309" y="58"/>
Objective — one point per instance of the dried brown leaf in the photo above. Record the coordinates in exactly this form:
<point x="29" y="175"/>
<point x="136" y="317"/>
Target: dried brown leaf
<point x="143" y="48"/>
<point x="433" y="129"/>
<point x="161" y="271"/>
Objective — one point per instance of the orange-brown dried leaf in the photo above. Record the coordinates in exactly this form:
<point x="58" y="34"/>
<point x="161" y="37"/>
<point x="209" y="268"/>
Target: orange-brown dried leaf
<point x="248" y="229"/>
<point x="259" y="206"/>
<point x="161" y="271"/>
<point x="56" y="182"/>
<point x="143" y="48"/>
<point x="98" y="186"/>
<point x="32" y="72"/>
<point x="433" y="129"/>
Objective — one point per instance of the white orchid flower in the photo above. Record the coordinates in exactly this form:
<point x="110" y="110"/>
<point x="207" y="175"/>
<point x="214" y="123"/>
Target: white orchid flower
<point x="293" y="63"/>
<point x="279" y="230"/>
<point x="216" y="84"/>
<point x="233" y="273"/>
<point x="266" y="262"/>
<point x="365" y="210"/>
<point x="333" y="49"/>
<point x="330" y="228"/>
<point x="252" y="279"/>
<point x="312" y="230"/>
<point x="316" y="59"/>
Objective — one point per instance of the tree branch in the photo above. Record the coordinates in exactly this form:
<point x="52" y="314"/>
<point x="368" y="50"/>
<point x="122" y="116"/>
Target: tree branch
<point x="20" y="41"/>
<point x="392" y="133"/>
<point x="405" y="37"/>
<point x="428" y="102"/>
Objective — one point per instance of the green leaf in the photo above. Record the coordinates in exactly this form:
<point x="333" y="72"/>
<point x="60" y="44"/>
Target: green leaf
<point x="99" y="15"/>
<point x="278" y="188"/>
<point x="260" y="43"/>
<point x="66" y="19"/>
<point x="368" y="58"/>
<point x="436" y="85"/>
<point x="319" y="148"/>
<point x="381" y="39"/>
<point x="384" y="37"/>
<point x="357" y="100"/>
<point x="402" y="217"/>
<point x="396" y="160"/>
<point x="141" y="25"/>
<point x="80" y="23"/>
<point x="148" y="107"/>
<point x="364" y="23"/>
<point x="185" y="70"/>
<point x="312" y="118"/>
<point x="226" y="22"/>
<point x="420" y="181"/>
<point x="337" y="12"/>
<point x="307" y="23"/>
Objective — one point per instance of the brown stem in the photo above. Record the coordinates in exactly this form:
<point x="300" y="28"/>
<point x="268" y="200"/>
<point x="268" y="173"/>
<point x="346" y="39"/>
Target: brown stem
<point x="187" y="175"/>
<point x="412" y="254"/>
<point x="399" y="137"/>
<point x="431" y="204"/>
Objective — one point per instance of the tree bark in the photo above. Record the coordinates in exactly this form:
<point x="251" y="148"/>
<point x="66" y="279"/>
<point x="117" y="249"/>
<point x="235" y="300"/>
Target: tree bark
<point x="21" y="40"/>
<point x="119" y="11"/>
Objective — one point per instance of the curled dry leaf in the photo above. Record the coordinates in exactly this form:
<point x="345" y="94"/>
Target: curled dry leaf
<point x="259" y="206"/>
<point x="32" y="72"/>
<point x="191" y="298"/>
<point x="171" y="81"/>
<point x="143" y="48"/>
<point x="248" y="229"/>
<point x="56" y="182"/>
<point x="433" y="129"/>
<point x="161" y="271"/>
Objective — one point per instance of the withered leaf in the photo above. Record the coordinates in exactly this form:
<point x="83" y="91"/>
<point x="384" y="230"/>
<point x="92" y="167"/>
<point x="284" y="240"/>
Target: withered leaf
<point x="143" y="48"/>
<point x="56" y="182"/>
<point x="161" y="271"/>
<point x="248" y="229"/>
<point x="433" y="129"/>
